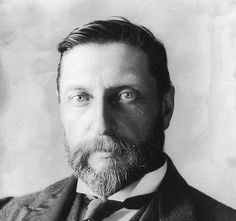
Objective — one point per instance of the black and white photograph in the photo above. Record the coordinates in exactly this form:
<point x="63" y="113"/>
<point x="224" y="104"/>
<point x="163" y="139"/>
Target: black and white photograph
<point x="117" y="110"/>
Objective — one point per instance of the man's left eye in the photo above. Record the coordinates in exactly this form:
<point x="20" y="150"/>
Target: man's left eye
<point x="127" y="96"/>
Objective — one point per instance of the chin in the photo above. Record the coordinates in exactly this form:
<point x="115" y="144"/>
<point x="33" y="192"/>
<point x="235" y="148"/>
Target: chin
<point x="110" y="177"/>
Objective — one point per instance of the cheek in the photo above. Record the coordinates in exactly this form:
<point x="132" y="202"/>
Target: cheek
<point x="76" y="125"/>
<point x="137" y="122"/>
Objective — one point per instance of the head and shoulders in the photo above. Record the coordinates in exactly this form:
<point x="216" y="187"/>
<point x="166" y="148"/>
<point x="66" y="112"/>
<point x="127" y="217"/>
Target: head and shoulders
<point x="116" y="100"/>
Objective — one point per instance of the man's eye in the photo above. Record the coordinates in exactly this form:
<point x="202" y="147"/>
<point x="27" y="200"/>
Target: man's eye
<point x="127" y="96"/>
<point x="79" y="98"/>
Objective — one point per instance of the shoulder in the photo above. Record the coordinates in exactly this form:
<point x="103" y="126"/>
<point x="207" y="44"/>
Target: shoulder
<point x="13" y="207"/>
<point x="205" y="206"/>
<point x="181" y="196"/>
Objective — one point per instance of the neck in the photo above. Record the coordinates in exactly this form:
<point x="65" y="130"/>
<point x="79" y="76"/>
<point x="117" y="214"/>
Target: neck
<point x="156" y="163"/>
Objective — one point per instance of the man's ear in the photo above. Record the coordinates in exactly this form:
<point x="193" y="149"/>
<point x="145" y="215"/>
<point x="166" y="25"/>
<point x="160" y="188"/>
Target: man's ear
<point x="167" y="107"/>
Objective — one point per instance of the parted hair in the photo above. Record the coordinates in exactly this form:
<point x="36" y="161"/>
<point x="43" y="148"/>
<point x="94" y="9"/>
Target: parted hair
<point x="121" y="30"/>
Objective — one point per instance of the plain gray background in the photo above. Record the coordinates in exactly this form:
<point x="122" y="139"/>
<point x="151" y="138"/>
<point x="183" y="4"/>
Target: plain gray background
<point x="200" y="41"/>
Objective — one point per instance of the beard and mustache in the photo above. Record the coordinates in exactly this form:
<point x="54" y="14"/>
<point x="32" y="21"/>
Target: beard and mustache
<point x="127" y="162"/>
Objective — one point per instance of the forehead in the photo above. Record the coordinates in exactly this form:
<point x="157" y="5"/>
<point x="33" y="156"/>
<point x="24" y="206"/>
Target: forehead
<point x="111" y="63"/>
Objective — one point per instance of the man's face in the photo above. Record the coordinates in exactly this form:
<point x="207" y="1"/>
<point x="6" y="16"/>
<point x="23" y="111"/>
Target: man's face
<point x="109" y="108"/>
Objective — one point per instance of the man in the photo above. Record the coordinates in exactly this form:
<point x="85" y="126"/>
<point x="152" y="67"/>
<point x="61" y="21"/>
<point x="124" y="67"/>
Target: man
<point x="116" y="100"/>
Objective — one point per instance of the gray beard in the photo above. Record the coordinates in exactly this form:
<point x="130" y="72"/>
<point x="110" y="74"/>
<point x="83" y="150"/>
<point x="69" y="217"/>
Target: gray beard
<point x="137" y="159"/>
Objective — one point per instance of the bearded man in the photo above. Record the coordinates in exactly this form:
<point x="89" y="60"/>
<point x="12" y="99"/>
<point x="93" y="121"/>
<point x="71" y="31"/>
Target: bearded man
<point x="116" y="100"/>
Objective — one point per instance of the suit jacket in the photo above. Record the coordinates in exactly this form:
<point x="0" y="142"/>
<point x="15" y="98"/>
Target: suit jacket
<point x="175" y="200"/>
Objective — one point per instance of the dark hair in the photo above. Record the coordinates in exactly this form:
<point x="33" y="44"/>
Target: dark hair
<point x="122" y="30"/>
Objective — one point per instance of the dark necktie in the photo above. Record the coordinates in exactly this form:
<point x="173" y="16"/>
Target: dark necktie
<point x="99" y="209"/>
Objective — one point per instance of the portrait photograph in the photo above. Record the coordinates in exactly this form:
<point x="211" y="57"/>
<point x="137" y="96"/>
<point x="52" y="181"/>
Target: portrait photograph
<point x="117" y="110"/>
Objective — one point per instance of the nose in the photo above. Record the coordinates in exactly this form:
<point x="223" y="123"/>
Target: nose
<point x="103" y="124"/>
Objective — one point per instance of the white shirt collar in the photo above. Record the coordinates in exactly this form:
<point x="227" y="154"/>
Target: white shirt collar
<point x="149" y="183"/>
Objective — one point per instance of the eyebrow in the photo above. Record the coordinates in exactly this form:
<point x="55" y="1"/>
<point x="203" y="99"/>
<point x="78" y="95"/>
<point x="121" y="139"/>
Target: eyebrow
<point x="122" y="87"/>
<point x="76" y="88"/>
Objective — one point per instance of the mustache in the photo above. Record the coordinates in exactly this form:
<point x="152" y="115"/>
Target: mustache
<point x="104" y="143"/>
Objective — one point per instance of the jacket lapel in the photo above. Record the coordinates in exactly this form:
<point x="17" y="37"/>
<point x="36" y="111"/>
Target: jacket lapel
<point x="171" y="202"/>
<point x="54" y="203"/>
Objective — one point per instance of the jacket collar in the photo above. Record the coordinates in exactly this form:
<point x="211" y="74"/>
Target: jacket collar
<point x="172" y="199"/>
